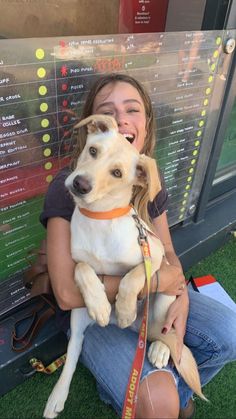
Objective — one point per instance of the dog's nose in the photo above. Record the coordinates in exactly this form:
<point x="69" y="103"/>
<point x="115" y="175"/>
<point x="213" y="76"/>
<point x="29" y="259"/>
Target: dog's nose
<point x="81" y="185"/>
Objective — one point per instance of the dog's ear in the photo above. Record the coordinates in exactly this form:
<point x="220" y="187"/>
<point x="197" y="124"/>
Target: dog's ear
<point x="148" y="176"/>
<point x="98" y="123"/>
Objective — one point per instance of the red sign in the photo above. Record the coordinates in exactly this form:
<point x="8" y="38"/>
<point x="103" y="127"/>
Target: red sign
<point x="140" y="16"/>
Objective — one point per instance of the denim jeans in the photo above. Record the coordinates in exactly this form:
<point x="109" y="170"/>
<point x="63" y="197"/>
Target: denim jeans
<point x="210" y="334"/>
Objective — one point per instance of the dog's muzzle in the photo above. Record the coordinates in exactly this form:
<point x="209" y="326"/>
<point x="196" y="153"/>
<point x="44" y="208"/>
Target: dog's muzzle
<point x="81" y="185"/>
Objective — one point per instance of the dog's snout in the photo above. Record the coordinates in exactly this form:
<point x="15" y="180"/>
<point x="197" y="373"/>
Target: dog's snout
<point x="81" y="185"/>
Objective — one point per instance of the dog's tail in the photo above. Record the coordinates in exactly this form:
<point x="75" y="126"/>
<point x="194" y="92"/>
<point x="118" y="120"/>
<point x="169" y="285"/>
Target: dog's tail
<point x="187" y="366"/>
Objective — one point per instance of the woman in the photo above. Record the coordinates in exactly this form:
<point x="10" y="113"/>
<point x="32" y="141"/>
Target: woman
<point x="108" y="352"/>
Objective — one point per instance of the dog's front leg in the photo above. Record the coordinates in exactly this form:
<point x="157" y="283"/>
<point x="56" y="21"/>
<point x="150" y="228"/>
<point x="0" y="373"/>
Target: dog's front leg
<point x="93" y="292"/>
<point x="79" y="322"/>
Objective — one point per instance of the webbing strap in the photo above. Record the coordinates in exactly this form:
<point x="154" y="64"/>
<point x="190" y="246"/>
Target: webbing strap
<point x="129" y="407"/>
<point x="38" y="365"/>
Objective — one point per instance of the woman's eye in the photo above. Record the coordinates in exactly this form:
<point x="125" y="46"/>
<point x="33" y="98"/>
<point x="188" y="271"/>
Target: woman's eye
<point x="116" y="173"/>
<point x="107" y="113"/>
<point x="133" y="110"/>
<point x="93" y="151"/>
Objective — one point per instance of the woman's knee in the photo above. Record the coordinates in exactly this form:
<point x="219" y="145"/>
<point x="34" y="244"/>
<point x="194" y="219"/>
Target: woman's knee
<point x="158" y="397"/>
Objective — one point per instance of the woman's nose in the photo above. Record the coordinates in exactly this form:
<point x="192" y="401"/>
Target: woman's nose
<point x="121" y="120"/>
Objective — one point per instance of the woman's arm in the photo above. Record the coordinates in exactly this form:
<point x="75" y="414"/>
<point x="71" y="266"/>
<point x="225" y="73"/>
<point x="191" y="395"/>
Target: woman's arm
<point x="61" y="267"/>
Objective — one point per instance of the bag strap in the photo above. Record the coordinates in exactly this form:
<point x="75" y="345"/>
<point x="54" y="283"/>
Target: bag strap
<point x="21" y="343"/>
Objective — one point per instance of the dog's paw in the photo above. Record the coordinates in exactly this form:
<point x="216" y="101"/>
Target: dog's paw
<point x="56" y="401"/>
<point x="159" y="354"/>
<point x="100" y="309"/>
<point x="126" y="311"/>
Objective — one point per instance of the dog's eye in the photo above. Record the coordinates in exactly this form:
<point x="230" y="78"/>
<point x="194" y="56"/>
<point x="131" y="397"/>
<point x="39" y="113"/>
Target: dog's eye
<point x="93" y="151"/>
<point x="116" y="173"/>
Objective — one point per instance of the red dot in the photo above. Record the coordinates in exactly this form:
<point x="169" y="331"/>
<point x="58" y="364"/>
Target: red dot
<point x="64" y="87"/>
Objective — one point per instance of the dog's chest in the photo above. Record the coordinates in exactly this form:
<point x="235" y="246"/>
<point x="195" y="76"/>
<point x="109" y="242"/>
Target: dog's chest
<point x="109" y="246"/>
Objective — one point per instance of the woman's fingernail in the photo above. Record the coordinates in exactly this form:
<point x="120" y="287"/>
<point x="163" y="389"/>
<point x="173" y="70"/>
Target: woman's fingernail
<point x="164" y="331"/>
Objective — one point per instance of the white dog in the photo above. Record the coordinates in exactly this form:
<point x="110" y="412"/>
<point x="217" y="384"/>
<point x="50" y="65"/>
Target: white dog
<point x="106" y="172"/>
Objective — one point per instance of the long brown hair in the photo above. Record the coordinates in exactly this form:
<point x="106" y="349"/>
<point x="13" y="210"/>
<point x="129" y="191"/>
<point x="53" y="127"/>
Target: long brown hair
<point x="140" y="196"/>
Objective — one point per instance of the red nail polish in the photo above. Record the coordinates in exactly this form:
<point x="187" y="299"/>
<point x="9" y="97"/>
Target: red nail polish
<point x="164" y="331"/>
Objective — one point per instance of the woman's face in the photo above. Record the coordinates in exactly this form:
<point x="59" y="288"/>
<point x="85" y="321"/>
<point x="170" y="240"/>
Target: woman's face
<point x="123" y="101"/>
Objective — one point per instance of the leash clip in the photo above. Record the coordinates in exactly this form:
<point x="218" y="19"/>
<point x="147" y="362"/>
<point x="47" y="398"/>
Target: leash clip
<point x="142" y="236"/>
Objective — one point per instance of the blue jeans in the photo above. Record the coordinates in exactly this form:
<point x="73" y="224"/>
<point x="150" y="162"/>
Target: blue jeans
<point x="210" y="334"/>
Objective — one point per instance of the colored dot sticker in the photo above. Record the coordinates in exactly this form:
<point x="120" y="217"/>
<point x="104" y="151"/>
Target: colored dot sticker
<point x="43" y="90"/>
<point x="193" y="161"/>
<point x="208" y="91"/>
<point x="201" y="123"/>
<point x="48" y="165"/>
<point x="39" y="53"/>
<point x="191" y="170"/>
<point x="210" y="78"/>
<point x="49" y="178"/>
<point x="213" y="67"/>
<point x="199" y="133"/>
<point x="203" y="113"/>
<point x="182" y="209"/>
<point x="46" y="138"/>
<point x="187" y="187"/>
<point x="195" y="152"/>
<point x="47" y="152"/>
<point x="197" y="143"/>
<point x="186" y="194"/>
<point x="181" y="217"/>
<point x="44" y="123"/>
<point x="189" y="179"/>
<point x="218" y="40"/>
<point x="184" y="202"/>
<point x="41" y="72"/>
<point x="43" y="107"/>
<point x="206" y="101"/>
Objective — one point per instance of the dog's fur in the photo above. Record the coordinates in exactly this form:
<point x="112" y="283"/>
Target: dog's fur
<point x="103" y="179"/>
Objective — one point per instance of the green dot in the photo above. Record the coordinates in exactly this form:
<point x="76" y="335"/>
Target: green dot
<point x="186" y="194"/>
<point x="195" y="152"/>
<point x="187" y="187"/>
<point x="43" y="90"/>
<point x="47" y="152"/>
<point x="41" y="72"/>
<point x="193" y="161"/>
<point x="197" y="143"/>
<point x="218" y="40"/>
<point x="39" y="53"/>
<point x="213" y="67"/>
<point x="210" y="78"/>
<point x="182" y="209"/>
<point x="206" y="101"/>
<point x="216" y="53"/>
<point x="189" y="179"/>
<point x="199" y="133"/>
<point x="203" y="113"/>
<point x="49" y="178"/>
<point x="181" y="217"/>
<point x="46" y="138"/>
<point x="191" y="170"/>
<point x="184" y="202"/>
<point x="201" y="123"/>
<point x="45" y="123"/>
<point x="208" y="91"/>
<point x="43" y="107"/>
<point x="48" y="165"/>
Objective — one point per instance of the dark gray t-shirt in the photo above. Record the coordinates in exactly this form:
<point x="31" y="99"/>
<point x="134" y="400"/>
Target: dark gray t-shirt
<point x="59" y="202"/>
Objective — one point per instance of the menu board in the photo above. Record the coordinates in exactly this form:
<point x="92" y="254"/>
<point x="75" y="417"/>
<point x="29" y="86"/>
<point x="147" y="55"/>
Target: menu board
<point x="43" y="84"/>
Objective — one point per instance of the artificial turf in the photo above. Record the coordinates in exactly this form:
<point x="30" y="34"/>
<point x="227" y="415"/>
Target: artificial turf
<point x="28" y="399"/>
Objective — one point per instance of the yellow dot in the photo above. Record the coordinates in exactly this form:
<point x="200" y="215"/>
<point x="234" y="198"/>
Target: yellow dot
<point x="46" y="138"/>
<point x="45" y="123"/>
<point x="182" y="209"/>
<point x="186" y="194"/>
<point x="47" y="152"/>
<point x="195" y="152"/>
<point x="203" y="113"/>
<point x="39" y="53"/>
<point x="193" y="162"/>
<point x="210" y="78"/>
<point x="216" y="53"/>
<point x="48" y="165"/>
<point x="191" y="170"/>
<point x="208" y="91"/>
<point x="189" y="179"/>
<point x="218" y="40"/>
<point x="197" y="143"/>
<point x="43" y="90"/>
<point x="206" y="101"/>
<point x="213" y="67"/>
<point x="199" y="133"/>
<point x="187" y="187"/>
<point x="49" y="178"/>
<point x="43" y="107"/>
<point x="201" y="123"/>
<point x="184" y="202"/>
<point x="41" y="72"/>
<point x="181" y="216"/>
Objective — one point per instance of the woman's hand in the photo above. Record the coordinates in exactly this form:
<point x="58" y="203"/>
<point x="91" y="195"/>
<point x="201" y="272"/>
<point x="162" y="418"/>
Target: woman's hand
<point x="177" y="318"/>
<point x="171" y="280"/>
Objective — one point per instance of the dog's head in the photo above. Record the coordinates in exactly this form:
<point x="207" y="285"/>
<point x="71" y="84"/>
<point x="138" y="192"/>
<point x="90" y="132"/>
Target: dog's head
<point x="108" y="168"/>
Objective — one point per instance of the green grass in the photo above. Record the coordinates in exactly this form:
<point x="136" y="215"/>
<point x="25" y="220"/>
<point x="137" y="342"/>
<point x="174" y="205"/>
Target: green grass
<point x="28" y="399"/>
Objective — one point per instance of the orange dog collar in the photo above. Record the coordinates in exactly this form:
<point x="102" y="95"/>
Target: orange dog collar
<point x="105" y="215"/>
